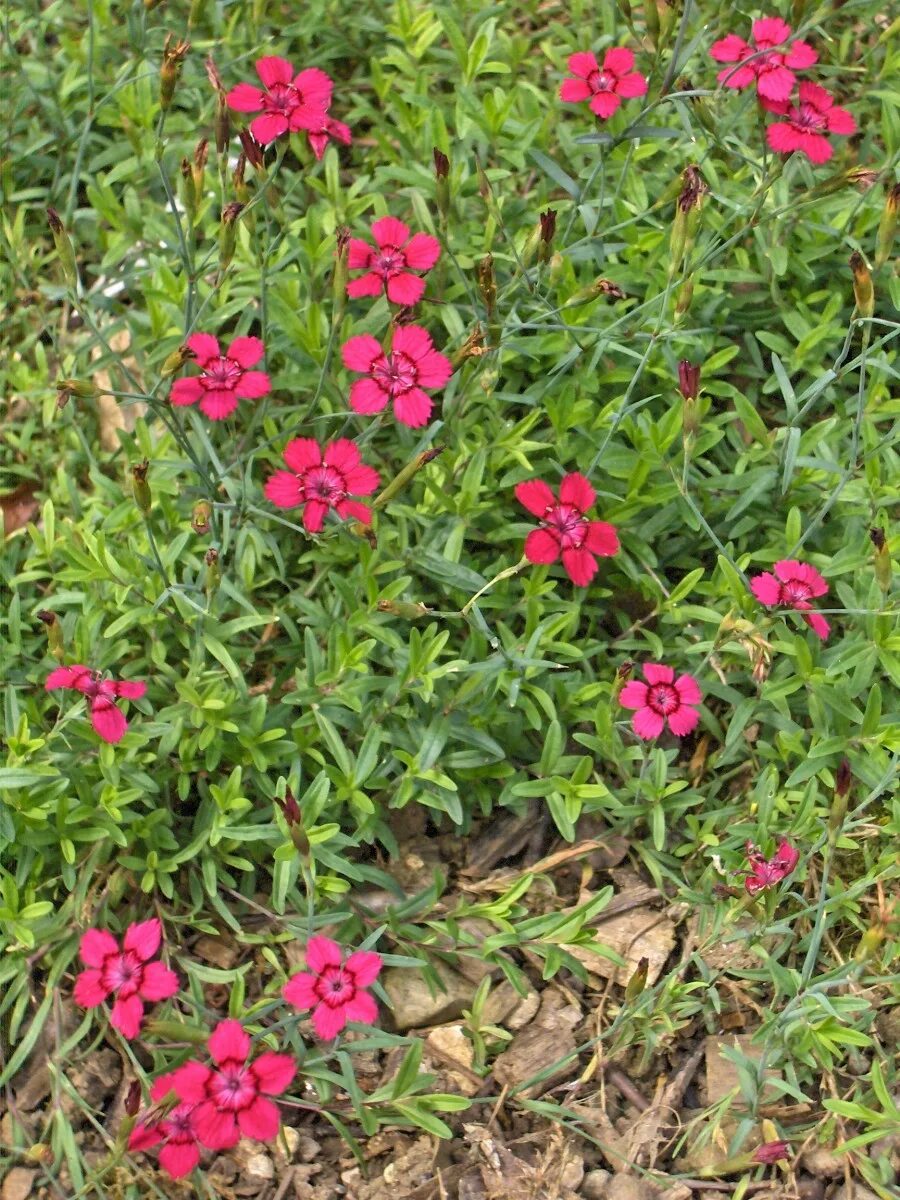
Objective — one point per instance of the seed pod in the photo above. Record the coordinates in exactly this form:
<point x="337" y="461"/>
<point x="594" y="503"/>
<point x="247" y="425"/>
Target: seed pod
<point x="340" y="274"/>
<point x="188" y="191"/>
<point x="222" y="119"/>
<point x="600" y="287"/>
<point x="64" y="249"/>
<point x="228" y="233"/>
<point x="54" y="633"/>
<point x="887" y="226"/>
<point x="442" y="182"/>
<point x="213" y="574"/>
<point x="863" y="291"/>
<point x="687" y="217"/>
<point x="174" y="54"/>
<point x="140" y="487"/>
<point x="548" y="231"/>
<point x="637" y="982"/>
<point x="175" y="361"/>
<point x="402" y="608"/>
<point x="487" y="284"/>
<point x="883" y="569"/>
<point x="405" y="475"/>
<point x="200" y="517"/>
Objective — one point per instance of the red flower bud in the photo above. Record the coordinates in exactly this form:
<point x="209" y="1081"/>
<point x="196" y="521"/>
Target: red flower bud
<point x="688" y="379"/>
<point x="843" y="778"/>
<point x="133" y="1099"/>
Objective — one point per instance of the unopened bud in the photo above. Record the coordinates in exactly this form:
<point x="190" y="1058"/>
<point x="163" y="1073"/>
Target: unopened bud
<point x="340" y="275"/>
<point x="887" y="226"/>
<point x="687" y="217"/>
<point x="222" y="120"/>
<point x="842" y="781"/>
<point x="66" y="388"/>
<point x="174" y="54"/>
<point x="201" y="155"/>
<point x="228" y="233"/>
<point x="442" y="182"/>
<point x="176" y="360"/>
<point x="132" y="1102"/>
<point x="548" y="225"/>
<point x="213" y="574"/>
<point x="54" y="633"/>
<point x="623" y="674"/>
<point x="883" y="570"/>
<point x="200" y="517"/>
<point x="140" y="487"/>
<point x="290" y="808"/>
<point x="637" y="982"/>
<point x="64" y="249"/>
<point x="405" y="475"/>
<point x="600" y="287"/>
<point x="487" y="284"/>
<point x="688" y="379"/>
<point x="188" y="191"/>
<point x="843" y="778"/>
<point x="863" y="291"/>
<point x="402" y="608"/>
<point x="684" y="298"/>
<point x="252" y="149"/>
<point x="473" y="347"/>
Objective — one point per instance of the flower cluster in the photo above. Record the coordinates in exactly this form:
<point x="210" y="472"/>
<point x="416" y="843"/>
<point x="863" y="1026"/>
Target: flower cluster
<point x="770" y="62"/>
<point x="764" y="872"/>
<point x="213" y="1104"/>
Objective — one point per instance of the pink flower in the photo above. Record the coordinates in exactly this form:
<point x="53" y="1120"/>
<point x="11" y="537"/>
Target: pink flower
<point x="128" y="974"/>
<point x="289" y="102"/>
<point x="389" y="265"/>
<point x="564" y="530"/>
<point x="107" y="719"/>
<point x="773" y="72"/>
<point x="326" y="129"/>
<point x="766" y="872"/>
<point x="795" y="585"/>
<point x="332" y="988"/>
<point x="662" y="699"/>
<point x="808" y="124"/>
<point x="397" y="377"/>
<point x="180" y="1151"/>
<point x="770" y="1152"/>
<point x="319" y="480"/>
<point x="230" y="1098"/>
<point x="225" y="378"/>
<point x="605" y="87"/>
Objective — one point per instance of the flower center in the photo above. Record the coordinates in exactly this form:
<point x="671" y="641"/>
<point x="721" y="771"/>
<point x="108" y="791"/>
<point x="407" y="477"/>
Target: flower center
<point x="662" y="698"/>
<point x="601" y="81"/>
<point x="282" y="97"/>
<point x="388" y="260"/>
<point x="396" y="372"/>
<point x="123" y="973"/>
<point x="232" y="1088"/>
<point x="795" y="590"/>
<point x="324" y="483"/>
<point x="222" y="373"/>
<point x="807" y="117"/>
<point x="568" y="524"/>
<point x="334" y="988"/>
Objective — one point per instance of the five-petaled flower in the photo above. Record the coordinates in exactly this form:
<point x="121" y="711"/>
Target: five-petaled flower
<point x="389" y="264"/>
<point x="662" y="700"/>
<point x="793" y="585"/>
<point x="174" y="1130"/>
<point x="288" y="103"/>
<point x="398" y="376"/>
<point x="333" y="988"/>
<point x="772" y="70"/>
<point x="126" y="973"/>
<point x="808" y="124"/>
<point x="770" y="1152"/>
<point x="764" y="872"/>
<point x="606" y="86"/>
<point x="225" y="378"/>
<point x="564" y="530"/>
<point x="107" y="718"/>
<point x="321" y="479"/>
<point x="231" y="1098"/>
<point x="325" y="129"/>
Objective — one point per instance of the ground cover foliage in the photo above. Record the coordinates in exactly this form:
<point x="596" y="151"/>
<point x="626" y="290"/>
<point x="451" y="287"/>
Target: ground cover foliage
<point x="400" y="726"/>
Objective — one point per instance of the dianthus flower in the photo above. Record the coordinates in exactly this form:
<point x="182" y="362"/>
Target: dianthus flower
<point x="319" y="480"/>
<point x="332" y="988"/>
<point x="180" y="1151"/>
<point x="324" y="130"/>
<point x="770" y="1152"/>
<point x="773" y="71"/>
<point x="564" y="531"/>
<point x="126" y="973"/>
<point x="225" y="378"/>
<point x="230" y="1098"/>
<point x="768" y="871"/>
<point x="389" y="265"/>
<point x="398" y="376"/>
<point x="606" y="86"/>
<point x="288" y="103"/>
<point x="662" y="699"/>
<point x="795" y="585"/>
<point x="808" y="124"/>
<point x="107" y="719"/>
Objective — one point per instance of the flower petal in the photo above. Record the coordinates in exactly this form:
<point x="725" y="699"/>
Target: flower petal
<point x="158" y="983"/>
<point x="161" y="1086"/>
<point x="252" y="385"/>
<point x="341" y="454"/>
<point x="535" y="495"/>
<point x="688" y="689"/>
<point x="405" y="289"/>
<point x="364" y="966"/>
<point x="388" y="231"/>
<point x="840" y="121"/>
<point x="314" y="85"/>
<point x="360" y="353"/>
<point x="604" y="104"/>
<point x="775" y="83"/>
<point x="268" y="127"/>
<point x="434" y="369"/>
<point x="766" y="589"/>
<point x="328" y="1022"/>
<point x="273" y="69"/>
<point x="127" y="1015"/>
<point x="618" y="61"/>
<point x="361" y="1008"/>
<point x="601" y="539"/>
<point x="573" y="91"/>
<point x="260" y="1120"/>
<point x="580" y="565"/>
<point x="144" y="1136"/>
<point x="582" y="63"/>
<point x="730" y="49"/>
<point x="576" y="490"/>
<point x="368" y="396"/>
<point x="89" y="989"/>
<point x="75" y="677"/>
<point x="314" y="513"/>
<point x="366" y="285"/>
<point x="541" y="546"/>
<point x="274" y="1072"/>
<point x="322" y="952"/>
<point x="413" y="408"/>
<point x="283" y="489"/>
<point x="245" y="98"/>
<point x="631" y="85"/>
<point x="658" y="673"/>
<point x="818" y="624"/>
<point x="108" y="721"/>
<point x="422" y="251"/>
<point x="128" y="689"/>
<point x="190" y="1080"/>
<point x="683" y="720"/>
<point x="203" y="346"/>
<point x="186" y="391"/>
<point x="218" y="404"/>
<point x="302" y="453"/>
<point x="97" y="945"/>
<point x="179" y="1158"/>
<point x="246" y="351"/>
<point x="800" y="55"/>
<point x="770" y="31"/>
<point x="300" y="991"/>
<point x="144" y="938"/>
<point x="359" y="254"/>
<point x="647" y="724"/>
<point x="229" y="1041"/>
<point x="633" y="694"/>
<point x="216" y="1129"/>
<point x="355" y="509"/>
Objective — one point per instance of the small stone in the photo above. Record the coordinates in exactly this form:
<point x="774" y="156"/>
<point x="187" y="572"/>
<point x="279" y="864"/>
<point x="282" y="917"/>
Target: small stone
<point x="254" y="1166"/>
<point x="721" y="1073"/>
<point x="641" y="933"/>
<point x="221" y="952"/>
<point x="412" y="1003"/>
<point x="18" y="1183"/>
<point x="823" y="1163"/>
<point x="595" y="1185"/>
<point x="630" y="1187"/>
<point x="504" y="1006"/>
<point x="447" y="1045"/>
<point x="286" y="1145"/>
<point x="853" y="1191"/>
<point x="809" y="1188"/>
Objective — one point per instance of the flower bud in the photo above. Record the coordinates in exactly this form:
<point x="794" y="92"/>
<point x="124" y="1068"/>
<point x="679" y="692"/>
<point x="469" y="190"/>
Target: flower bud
<point x="683" y="299"/>
<point x="843" y="778"/>
<point x="228" y="233"/>
<point x="66" y="388"/>
<point x="176" y="360"/>
<point x="174" y="54"/>
<point x="472" y="347"/>
<point x="637" y="982"/>
<point x="222" y="119"/>
<point x="140" y="487"/>
<point x="200" y="517"/>
<point x="887" y="226"/>
<point x="687" y="217"/>
<point x="442" y="182"/>
<point x="213" y="574"/>
<point x="54" y="633"/>
<point x="487" y="283"/>
<point x="253" y="150"/>
<point x="340" y="275"/>
<point x="402" y="608"/>
<point x="201" y="155"/>
<point x="863" y="291"/>
<point x="883" y="569"/>
<point x="600" y="287"/>
<point x="842" y="781"/>
<point x="132" y="1102"/>
<point x="623" y="674"/>
<point x="290" y="808"/>
<point x="188" y="192"/>
<point x="689" y="386"/>
<point x="64" y="249"/>
<point x="405" y="475"/>
<point x="548" y="231"/>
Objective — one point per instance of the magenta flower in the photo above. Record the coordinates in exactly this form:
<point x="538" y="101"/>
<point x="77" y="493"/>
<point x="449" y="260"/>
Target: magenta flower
<point x="390" y="264"/>
<point x="225" y="378"/>
<point x="766" y="872"/>
<point x="604" y="87"/>
<point x="397" y="377"/>
<point x="662" y="699"/>
<point x="327" y="128"/>
<point x="770" y="1152"/>
<point x="106" y="717"/>
<point x="564" y="531"/>
<point x="772" y="72"/>
<point x="126" y="973"/>
<point x="808" y="124"/>
<point x="332" y="988"/>
<point x="319" y="480"/>
<point x="796" y="584"/>
<point x="180" y="1151"/>
<point x="230" y="1098"/>
<point x="288" y="103"/>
